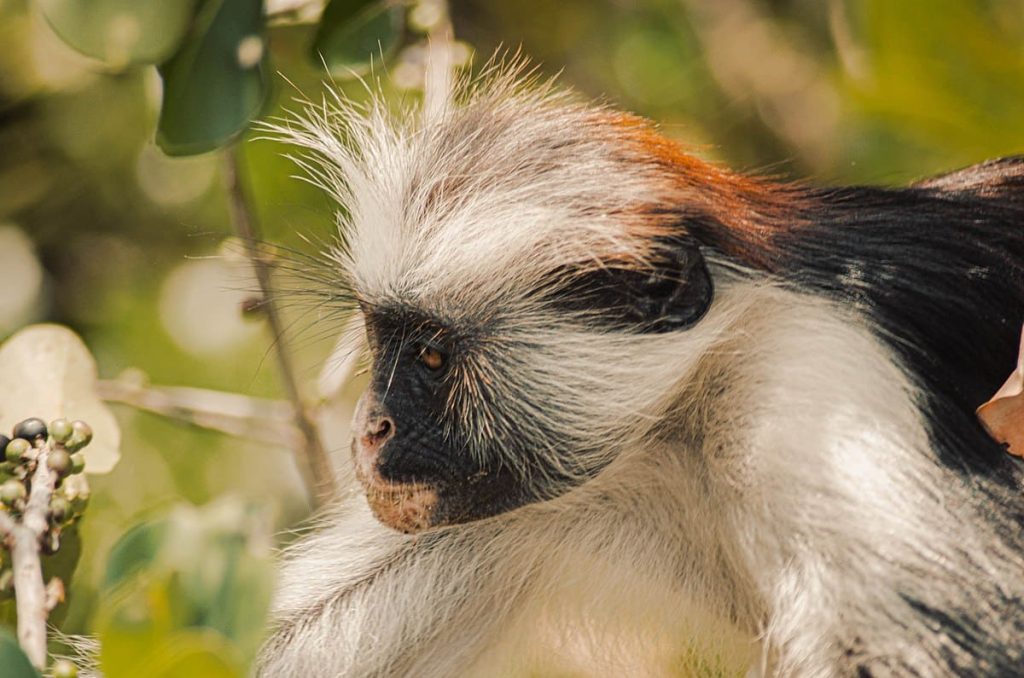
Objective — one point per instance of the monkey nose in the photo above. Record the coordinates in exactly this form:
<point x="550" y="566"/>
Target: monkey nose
<point x="378" y="430"/>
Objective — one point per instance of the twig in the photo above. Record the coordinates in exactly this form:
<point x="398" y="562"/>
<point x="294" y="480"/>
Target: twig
<point x="24" y="536"/>
<point x="314" y="464"/>
<point x="267" y="421"/>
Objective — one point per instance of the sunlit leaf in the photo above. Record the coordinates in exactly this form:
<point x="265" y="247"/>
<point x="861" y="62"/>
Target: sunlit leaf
<point x="217" y="83"/>
<point x="120" y="32"/>
<point x="47" y="372"/>
<point x="14" y="662"/>
<point x="196" y="653"/>
<point x="353" y="33"/>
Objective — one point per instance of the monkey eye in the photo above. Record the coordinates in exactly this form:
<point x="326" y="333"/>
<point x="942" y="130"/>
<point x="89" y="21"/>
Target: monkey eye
<point x="431" y="358"/>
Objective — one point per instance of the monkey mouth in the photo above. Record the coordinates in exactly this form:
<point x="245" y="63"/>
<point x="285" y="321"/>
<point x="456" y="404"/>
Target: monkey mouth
<point x="406" y="507"/>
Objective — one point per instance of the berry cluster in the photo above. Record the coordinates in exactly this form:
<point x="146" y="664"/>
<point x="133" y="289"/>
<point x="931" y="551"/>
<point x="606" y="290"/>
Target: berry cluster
<point x="61" y="442"/>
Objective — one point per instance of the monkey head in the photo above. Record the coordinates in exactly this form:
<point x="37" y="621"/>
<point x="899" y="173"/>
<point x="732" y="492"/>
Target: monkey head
<point x="455" y="424"/>
<point x="528" y="275"/>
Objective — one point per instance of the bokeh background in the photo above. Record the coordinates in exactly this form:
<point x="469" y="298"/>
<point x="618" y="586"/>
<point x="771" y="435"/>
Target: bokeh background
<point x="102" y="232"/>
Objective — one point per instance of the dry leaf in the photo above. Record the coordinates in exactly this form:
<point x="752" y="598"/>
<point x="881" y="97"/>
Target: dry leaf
<point x="1003" y="415"/>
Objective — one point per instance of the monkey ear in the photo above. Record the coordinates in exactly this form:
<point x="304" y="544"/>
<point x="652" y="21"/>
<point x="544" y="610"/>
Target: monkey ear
<point x="672" y="293"/>
<point x="679" y="291"/>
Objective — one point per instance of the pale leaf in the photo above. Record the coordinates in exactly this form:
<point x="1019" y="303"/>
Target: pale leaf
<point x="47" y="372"/>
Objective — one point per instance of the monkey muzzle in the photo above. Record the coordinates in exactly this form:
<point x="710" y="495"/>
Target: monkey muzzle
<point x="405" y="506"/>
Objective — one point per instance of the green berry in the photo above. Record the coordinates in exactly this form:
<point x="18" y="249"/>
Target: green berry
<point x="16" y="450"/>
<point x="77" y="463"/>
<point x="62" y="668"/>
<point x="60" y="509"/>
<point x="61" y="430"/>
<point x="30" y="429"/>
<point x="11" y="491"/>
<point x="60" y="461"/>
<point x="80" y="436"/>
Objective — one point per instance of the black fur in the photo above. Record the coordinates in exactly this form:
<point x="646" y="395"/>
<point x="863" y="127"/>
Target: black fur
<point x="938" y="268"/>
<point x="672" y="294"/>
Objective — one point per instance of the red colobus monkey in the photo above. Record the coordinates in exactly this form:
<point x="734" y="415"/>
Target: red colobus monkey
<point x="630" y="412"/>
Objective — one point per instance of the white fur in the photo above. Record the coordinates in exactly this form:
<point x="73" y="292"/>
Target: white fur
<point x="771" y="489"/>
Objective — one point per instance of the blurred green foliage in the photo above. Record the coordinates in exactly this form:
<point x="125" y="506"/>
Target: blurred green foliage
<point x="186" y="594"/>
<point x="129" y="241"/>
<point x="14" y="661"/>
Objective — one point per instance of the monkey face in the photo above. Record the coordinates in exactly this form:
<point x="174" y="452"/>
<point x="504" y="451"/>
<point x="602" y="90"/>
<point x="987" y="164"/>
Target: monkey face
<point x="419" y="467"/>
<point x="469" y="415"/>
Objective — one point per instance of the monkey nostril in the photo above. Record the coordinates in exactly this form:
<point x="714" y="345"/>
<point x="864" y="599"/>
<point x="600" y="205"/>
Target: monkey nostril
<point x="380" y="431"/>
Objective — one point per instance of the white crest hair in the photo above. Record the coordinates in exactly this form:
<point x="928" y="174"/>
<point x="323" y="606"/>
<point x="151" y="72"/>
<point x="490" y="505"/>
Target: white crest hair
<point x="772" y="491"/>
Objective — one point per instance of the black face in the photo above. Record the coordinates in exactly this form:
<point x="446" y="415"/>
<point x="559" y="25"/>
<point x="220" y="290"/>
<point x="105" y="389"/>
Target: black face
<point x="421" y="466"/>
<point x="416" y="365"/>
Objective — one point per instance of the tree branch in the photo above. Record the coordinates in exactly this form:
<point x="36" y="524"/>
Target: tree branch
<point x="24" y="537"/>
<point x="314" y="464"/>
<point x="267" y="421"/>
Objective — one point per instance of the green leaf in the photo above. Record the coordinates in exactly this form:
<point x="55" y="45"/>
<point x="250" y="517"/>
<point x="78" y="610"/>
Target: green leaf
<point x="120" y="32"/>
<point x="14" y="662"/>
<point x="354" y="32"/>
<point x="133" y="551"/>
<point x="218" y="82"/>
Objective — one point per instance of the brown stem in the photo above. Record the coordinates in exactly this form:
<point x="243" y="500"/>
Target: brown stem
<point x="314" y="464"/>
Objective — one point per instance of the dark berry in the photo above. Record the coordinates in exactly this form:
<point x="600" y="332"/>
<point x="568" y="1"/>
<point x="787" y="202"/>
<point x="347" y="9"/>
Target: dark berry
<point x="16" y="450"/>
<point x="30" y="429"/>
<point x="77" y="463"/>
<point x="61" y="430"/>
<point x="3" y="441"/>
<point x="11" y="491"/>
<point x="60" y="461"/>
